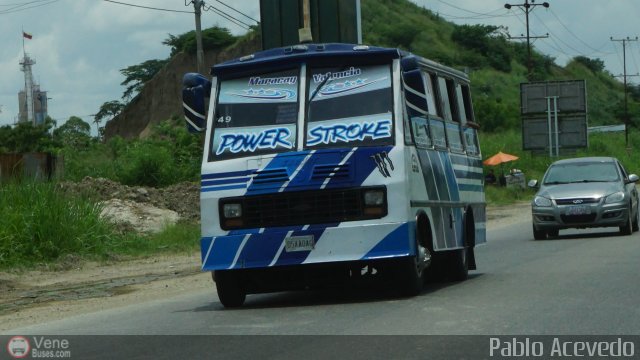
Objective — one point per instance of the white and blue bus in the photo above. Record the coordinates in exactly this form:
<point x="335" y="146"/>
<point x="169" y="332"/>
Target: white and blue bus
<point x="326" y="163"/>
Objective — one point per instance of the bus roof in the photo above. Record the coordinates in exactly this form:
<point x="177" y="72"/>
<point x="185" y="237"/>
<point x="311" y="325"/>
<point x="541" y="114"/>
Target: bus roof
<point x="283" y="57"/>
<point x="287" y="56"/>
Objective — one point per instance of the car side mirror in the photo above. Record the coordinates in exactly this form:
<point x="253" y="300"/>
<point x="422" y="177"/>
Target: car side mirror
<point x="533" y="183"/>
<point x="633" y="178"/>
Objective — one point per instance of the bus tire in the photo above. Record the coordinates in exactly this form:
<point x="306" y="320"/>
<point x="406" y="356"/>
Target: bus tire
<point x="458" y="264"/>
<point x="412" y="270"/>
<point x="229" y="287"/>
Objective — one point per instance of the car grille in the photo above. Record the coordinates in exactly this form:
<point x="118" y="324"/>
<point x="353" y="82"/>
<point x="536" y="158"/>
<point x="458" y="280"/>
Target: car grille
<point x="301" y="208"/>
<point x="578" y="219"/>
<point x="577" y="201"/>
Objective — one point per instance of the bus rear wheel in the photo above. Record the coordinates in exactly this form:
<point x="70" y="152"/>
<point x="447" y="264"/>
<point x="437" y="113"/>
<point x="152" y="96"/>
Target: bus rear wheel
<point x="229" y="287"/>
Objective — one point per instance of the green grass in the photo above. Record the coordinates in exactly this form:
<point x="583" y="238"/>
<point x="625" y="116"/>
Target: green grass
<point x="40" y="225"/>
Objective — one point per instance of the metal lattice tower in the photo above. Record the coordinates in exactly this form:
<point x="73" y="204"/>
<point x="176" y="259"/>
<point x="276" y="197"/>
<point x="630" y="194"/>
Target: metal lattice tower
<point x="26" y="63"/>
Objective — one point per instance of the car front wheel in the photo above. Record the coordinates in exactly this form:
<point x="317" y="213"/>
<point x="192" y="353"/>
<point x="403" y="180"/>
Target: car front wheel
<point x="539" y="234"/>
<point x="627" y="227"/>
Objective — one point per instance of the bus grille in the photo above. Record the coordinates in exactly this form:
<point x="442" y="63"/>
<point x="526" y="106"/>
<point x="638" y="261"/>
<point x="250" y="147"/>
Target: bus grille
<point x="302" y="208"/>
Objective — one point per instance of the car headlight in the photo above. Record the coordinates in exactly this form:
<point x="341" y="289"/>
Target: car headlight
<point x="614" y="198"/>
<point x="541" y="201"/>
<point x="232" y="210"/>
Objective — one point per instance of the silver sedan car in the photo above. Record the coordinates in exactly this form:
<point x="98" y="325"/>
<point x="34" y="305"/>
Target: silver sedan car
<point x="585" y="192"/>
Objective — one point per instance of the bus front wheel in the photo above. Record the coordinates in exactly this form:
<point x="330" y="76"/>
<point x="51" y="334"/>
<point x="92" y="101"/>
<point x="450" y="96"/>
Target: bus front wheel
<point x="413" y="269"/>
<point x="229" y="287"/>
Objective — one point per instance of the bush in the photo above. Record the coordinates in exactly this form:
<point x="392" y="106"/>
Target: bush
<point x="146" y="164"/>
<point x="39" y="224"/>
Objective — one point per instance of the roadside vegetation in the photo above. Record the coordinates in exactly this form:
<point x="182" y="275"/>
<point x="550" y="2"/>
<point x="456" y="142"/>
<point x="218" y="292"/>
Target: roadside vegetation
<point x="40" y="224"/>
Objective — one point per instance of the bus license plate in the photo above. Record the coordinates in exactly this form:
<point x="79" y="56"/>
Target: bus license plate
<point x="299" y="243"/>
<point x="578" y="210"/>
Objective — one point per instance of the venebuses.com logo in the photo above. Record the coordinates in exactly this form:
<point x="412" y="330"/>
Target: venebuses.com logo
<point x="18" y="347"/>
<point x="38" y="347"/>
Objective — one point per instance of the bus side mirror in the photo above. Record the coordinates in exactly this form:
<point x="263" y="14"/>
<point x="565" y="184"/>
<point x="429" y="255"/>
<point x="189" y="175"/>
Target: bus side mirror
<point x="195" y="89"/>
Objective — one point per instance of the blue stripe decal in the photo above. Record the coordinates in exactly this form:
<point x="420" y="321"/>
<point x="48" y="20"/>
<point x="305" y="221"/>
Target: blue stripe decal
<point x="223" y="250"/>
<point x="469" y="175"/>
<point x="227" y="174"/>
<point x="224" y="181"/>
<point x="218" y="188"/>
<point x="289" y="161"/>
<point x="364" y="165"/>
<point x="398" y="242"/>
<point x="451" y="178"/>
<point x="304" y="180"/>
<point x="468" y="187"/>
<point x="465" y="160"/>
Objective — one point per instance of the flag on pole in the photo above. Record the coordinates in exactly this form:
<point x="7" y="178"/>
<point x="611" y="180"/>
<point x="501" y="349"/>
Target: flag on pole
<point x="27" y="35"/>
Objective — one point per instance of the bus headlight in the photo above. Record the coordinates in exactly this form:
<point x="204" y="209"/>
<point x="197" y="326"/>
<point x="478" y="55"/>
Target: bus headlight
<point x="232" y="210"/>
<point x="231" y="215"/>
<point x="374" y="198"/>
<point x="375" y="202"/>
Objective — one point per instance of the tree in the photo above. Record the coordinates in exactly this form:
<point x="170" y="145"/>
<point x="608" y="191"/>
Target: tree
<point x="487" y="41"/>
<point x="212" y="39"/>
<point x="25" y="137"/>
<point x="108" y="110"/>
<point x="595" y="65"/>
<point x="75" y="133"/>
<point x="137" y="75"/>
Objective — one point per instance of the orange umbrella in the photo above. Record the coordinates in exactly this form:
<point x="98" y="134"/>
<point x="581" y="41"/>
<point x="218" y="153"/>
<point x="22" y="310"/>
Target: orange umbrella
<point x="500" y="158"/>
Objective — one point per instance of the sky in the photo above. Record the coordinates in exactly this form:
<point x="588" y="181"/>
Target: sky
<point x="80" y="46"/>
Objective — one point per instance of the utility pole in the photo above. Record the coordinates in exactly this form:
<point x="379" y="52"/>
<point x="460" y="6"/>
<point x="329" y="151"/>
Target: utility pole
<point x="304" y="34"/>
<point x="528" y="6"/>
<point x="197" y="6"/>
<point x="624" y="76"/>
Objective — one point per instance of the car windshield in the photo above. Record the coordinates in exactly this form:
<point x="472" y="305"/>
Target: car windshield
<point x="349" y="106"/>
<point x="581" y="172"/>
<point x="255" y="115"/>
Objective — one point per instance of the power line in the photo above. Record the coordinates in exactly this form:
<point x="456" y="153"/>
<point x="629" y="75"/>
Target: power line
<point x="239" y="12"/>
<point x="148" y="7"/>
<point x="225" y="15"/>
<point x="571" y="32"/>
<point x="478" y="17"/>
<point x="21" y="7"/>
<point x="487" y="15"/>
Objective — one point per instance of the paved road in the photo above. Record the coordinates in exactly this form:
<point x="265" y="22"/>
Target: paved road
<point x="584" y="283"/>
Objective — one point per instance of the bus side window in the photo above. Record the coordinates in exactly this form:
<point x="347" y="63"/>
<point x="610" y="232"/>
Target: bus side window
<point x="453" y="100"/>
<point x="421" y="132"/>
<point x="454" y="137"/>
<point x="444" y="99"/>
<point x="468" y="107"/>
<point x="407" y="130"/>
<point x="471" y="139"/>
<point x="460" y="103"/>
<point x="438" y="133"/>
<point x="430" y="94"/>
<point x="436" y="96"/>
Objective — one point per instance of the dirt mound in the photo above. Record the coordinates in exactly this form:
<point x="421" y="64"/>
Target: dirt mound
<point x="183" y="198"/>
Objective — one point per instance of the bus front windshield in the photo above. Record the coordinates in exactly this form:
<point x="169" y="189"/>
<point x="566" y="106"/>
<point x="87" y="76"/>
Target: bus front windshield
<point x="349" y="106"/>
<point x="255" y="115"/>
